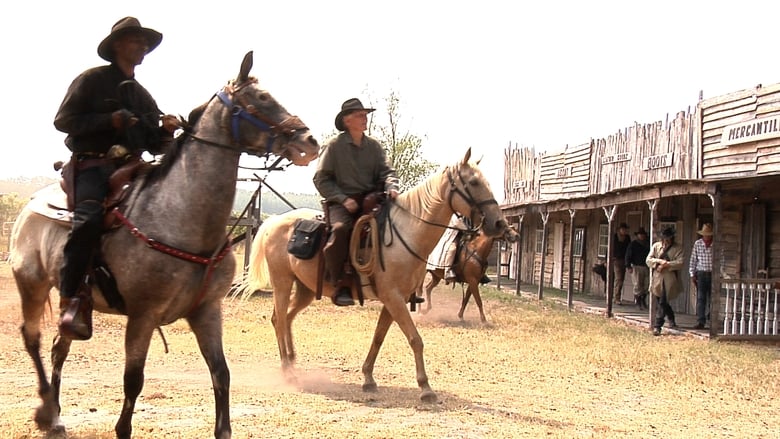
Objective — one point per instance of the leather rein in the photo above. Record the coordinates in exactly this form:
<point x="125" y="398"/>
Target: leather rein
<point x="454" y="190"/>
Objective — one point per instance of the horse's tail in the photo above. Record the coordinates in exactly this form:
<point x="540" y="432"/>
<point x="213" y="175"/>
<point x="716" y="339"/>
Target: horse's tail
<point x="258" y="277"/>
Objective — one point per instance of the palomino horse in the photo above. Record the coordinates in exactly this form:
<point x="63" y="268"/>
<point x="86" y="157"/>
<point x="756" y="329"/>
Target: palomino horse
<point x="185" y="267"/>
<point x="415" y="222"/>
<point x="470" y="266"/>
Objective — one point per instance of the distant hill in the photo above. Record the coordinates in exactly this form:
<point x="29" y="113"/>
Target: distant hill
<point x="24" y="186"/>
<point x="270" y="203"/>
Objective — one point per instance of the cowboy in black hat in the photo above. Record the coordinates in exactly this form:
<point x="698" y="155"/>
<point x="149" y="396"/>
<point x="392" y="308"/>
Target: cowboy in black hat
<point x="351" y="166"/>
<point x="104" y="106"/>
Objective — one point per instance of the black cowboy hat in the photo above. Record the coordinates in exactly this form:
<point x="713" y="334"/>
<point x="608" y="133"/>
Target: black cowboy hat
<point x="668" y="232"/>
<point x="347" y="107"/>
<point x="641" y="231"/>
<point x="125" y="26"/>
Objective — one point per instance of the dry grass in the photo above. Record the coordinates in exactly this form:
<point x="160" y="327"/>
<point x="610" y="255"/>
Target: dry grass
<point x="535" y="370"/>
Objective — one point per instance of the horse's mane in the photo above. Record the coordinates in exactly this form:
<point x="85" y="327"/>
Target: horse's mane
<point x="172" y="152"/>
<point x="421" y="197"/>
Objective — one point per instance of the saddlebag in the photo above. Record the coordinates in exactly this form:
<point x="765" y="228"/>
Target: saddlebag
<point x="306" y="238"/>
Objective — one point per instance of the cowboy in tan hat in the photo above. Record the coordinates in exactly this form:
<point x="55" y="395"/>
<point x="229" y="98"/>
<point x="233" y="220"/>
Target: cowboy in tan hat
<point x="103" y="107"/>
<point x="700" y="269"/>
<point x="351" y="166"/>
<point x="666" y="258"/>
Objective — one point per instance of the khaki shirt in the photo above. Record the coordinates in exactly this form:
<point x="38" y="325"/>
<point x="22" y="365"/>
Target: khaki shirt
<point x="668" y="279"/>
<point x="346" y="169"/>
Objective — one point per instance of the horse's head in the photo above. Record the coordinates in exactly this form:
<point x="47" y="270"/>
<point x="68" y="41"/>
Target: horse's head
<point x="260" y="125"/>
<point x="510" y="234"/>
<point x="470" y="195"/>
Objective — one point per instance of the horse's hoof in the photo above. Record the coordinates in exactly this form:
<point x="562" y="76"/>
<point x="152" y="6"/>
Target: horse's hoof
<point x="370" y="388"/>
<point x="429" y="397"/>
<point x="44" y="419"/>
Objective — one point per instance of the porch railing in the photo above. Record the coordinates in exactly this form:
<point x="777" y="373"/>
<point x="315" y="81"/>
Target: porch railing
<point x="751" y="307"/>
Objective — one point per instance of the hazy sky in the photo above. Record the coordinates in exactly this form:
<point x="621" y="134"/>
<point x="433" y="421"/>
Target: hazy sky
<point x="480" y="74"/>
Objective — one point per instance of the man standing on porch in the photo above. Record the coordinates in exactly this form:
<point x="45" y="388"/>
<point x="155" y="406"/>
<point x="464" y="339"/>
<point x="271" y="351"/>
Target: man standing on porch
<point x="700" y="268"/>
<point x="619" y="246"/>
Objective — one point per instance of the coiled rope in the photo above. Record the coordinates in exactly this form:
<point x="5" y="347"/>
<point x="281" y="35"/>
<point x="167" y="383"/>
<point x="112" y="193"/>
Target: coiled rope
<point x="369" y="258"/>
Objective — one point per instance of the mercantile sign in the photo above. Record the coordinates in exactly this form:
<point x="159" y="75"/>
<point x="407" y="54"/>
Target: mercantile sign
<point x="751" y="131"/>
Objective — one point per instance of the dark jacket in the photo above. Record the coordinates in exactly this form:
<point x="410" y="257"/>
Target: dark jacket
<point x="85" y="113"/>
<point x="637" y="252"/>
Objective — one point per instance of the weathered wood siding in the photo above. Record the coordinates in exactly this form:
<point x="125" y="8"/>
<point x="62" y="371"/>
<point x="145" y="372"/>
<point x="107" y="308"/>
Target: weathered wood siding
<point x="565" y="174"/>
<point x="641" y="155"/>
<point x="754" y="158"/>
<point x="520" y="175"/>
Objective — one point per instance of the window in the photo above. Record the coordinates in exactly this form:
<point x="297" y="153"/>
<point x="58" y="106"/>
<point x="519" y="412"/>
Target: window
<point x="539" y="238"/>
<point x="603" y="240"/>
<point x="579" y="241"/>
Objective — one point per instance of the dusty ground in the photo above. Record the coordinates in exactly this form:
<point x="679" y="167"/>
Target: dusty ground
<point x="531" y="372"/>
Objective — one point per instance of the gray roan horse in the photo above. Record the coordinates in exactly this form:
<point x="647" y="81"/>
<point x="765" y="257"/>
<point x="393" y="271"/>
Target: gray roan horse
<point x="184" y="206"/>
<point x="415" y="223"/>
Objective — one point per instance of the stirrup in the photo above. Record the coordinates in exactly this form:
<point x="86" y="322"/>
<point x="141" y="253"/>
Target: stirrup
<point x="76" y="319"/>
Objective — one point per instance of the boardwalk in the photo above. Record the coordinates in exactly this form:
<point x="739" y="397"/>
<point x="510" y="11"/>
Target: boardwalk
<point x="595" y="304"/>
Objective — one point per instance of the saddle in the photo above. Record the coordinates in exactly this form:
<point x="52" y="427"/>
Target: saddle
<point x="309" y="237"/>
<point x="129" y="168"/>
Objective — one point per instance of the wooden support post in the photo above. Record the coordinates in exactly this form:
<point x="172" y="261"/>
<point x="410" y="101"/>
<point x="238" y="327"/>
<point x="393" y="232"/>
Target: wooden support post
<point x="518" y="254"/>
<point x="570" y="287"/>
<point x="651" y="305"/>
<point x="610" y="211"/>
<point x="717" y="267"/>
<point x="545" y="216"/>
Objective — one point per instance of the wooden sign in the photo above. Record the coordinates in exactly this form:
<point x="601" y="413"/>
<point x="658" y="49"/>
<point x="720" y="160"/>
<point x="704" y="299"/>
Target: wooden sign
<point x="563" y="172"/>
<point x="614" y="158"/>
<point x="519" y="184"/>
<point x="751" y="131"/>
<point x="658" y="161"/>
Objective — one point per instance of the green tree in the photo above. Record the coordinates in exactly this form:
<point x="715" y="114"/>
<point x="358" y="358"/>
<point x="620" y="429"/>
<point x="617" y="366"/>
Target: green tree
<point x="404" y="149"/>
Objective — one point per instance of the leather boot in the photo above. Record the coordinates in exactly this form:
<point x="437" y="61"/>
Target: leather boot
<point x="76" y="317"/>
<point x="450" y="276"/>
<point x="343" y="297"/>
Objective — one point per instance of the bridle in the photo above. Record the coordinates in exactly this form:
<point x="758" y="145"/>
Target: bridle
<point x="467" y="196"/>
<point x="240" y="111"/>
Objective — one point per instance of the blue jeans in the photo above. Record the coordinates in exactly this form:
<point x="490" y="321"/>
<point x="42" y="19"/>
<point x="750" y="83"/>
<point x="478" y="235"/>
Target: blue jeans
<point x="703" y="292"/>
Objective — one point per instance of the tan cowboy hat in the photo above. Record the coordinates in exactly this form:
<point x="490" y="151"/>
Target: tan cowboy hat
<point x="122" y="27"/>
<point x="706" y="230"/>
<point x="347" y="107"/>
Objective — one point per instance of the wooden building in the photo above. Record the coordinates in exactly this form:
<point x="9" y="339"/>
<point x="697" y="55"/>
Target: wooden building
<point x="716" y="163"/>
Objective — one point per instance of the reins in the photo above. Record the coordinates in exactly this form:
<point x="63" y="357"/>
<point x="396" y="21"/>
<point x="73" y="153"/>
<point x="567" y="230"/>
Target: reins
<point x="210" y="262"/>
<point x="454" y="189"/>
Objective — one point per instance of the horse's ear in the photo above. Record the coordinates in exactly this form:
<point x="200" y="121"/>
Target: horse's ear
<point x="246" y="66"/>
<point x="467" y="156"/>
<point x="480" y="160"/>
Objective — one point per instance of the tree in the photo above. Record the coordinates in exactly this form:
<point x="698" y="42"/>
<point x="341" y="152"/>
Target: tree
<point x="404" y="150"/>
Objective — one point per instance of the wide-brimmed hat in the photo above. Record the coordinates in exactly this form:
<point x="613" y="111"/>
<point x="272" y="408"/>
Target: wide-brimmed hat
<point x="641" y="231"/>
<point x="706" y="230"/>
<point x="668" y="232"/>
<point x="623" y="226"/>
<point x="123" y="27"/>
<point x="347" y="107"/>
